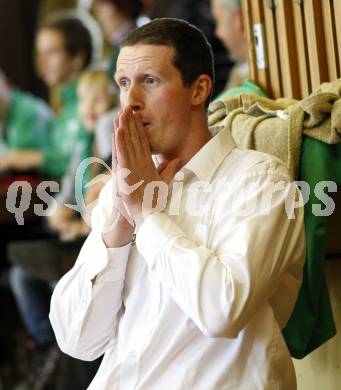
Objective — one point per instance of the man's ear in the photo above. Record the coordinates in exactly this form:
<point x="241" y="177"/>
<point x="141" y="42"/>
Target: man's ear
<point x="201" y="89"/>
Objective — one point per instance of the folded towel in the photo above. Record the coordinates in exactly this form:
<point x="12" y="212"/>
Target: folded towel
<point x="277" y="126"/>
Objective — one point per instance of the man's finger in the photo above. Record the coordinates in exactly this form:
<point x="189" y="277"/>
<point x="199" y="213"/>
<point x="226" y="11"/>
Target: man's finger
<point x="113" y="142"/>
<point x="141" y="133"/>
<point x="121" y="147"/>
<point x="124" y="148"/>
<point x="133" y="133"/>
<point x="116" y="122"/>
<point x="113" y="153"/>
<point x="124" y="126"/>
<point x="117" y="118"/>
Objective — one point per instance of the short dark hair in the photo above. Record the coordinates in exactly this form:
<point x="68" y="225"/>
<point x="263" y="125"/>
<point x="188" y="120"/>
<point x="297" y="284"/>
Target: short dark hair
<point x="193" y="53"/>
<point x="77" y="37"/>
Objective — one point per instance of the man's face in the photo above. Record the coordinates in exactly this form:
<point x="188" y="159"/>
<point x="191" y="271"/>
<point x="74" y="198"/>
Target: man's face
<point x="55" y="66"/>
<point x="150" y="83"/>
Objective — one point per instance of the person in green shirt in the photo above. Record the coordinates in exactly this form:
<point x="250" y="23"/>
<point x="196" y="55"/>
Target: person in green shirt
<point x="25" y="121"/>
<point x="63" y="50"/>
<point x="43" y="260"/>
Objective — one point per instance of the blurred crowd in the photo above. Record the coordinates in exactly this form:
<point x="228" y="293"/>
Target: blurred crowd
<point x="57" y="108"/>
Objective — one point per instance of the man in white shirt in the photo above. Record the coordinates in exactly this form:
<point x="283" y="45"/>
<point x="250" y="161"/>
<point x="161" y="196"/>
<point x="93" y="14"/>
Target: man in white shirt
<point x="198" y="300"/>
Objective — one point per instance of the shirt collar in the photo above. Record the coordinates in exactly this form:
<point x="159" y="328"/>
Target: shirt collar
<point x="207" y="160"/>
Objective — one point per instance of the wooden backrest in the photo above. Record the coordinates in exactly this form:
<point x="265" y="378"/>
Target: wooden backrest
<point x="294" y="45"/>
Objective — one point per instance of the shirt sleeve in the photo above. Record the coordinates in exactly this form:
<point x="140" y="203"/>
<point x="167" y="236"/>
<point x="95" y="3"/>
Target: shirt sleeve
<point x="221" y="282"/>
<point x="86" y="303"/>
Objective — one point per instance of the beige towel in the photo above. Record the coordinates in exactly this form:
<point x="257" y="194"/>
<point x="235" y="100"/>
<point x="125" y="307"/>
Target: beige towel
<point x="276" y="126"/>
<point x="323" y="113"/>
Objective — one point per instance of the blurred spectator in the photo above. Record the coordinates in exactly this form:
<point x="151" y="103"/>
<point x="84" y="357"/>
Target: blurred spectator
<point x="117" y="18"/>
<point x="41" y="261"/>
<point x="25" y="121"/>
<point x="230" y="30"/>
<point x="48" y="7"/>
<point x="96" y="97"/>
<point x="18" y="21"/>
<point x="198" y="12"/>
<point x="64" y="49"/>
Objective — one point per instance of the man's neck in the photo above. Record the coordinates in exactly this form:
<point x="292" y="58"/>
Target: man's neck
<point x="193" y="144"/>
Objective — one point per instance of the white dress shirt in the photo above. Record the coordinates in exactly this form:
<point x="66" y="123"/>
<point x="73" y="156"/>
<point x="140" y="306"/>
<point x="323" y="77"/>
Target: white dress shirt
<point x="199" y="302"/>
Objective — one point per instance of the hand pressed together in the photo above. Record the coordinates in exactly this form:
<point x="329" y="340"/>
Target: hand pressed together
<point x="135" y="167"/>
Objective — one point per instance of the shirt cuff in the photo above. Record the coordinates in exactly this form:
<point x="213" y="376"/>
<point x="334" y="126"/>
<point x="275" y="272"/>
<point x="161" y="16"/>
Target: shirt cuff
<point x="156" y="232"/>
<point x="108" y="264"/>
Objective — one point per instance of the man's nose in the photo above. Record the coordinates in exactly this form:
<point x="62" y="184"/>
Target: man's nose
<point x="134" y="98"/>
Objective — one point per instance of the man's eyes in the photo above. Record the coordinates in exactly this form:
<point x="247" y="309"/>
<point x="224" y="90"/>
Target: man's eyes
<point x="150" y="81"/>
<point x="123" y="83"/>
